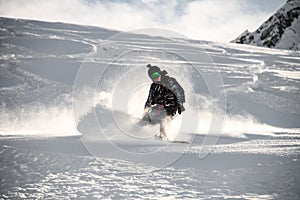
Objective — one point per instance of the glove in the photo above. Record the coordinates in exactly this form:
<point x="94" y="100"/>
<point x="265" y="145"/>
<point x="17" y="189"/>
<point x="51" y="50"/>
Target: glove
<point x="180" y="109"/>
<point x="147" y="105"/>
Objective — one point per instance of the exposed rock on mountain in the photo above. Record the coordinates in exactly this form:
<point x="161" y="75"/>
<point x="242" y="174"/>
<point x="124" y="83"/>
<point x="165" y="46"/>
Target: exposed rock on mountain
<point x="281" y="30"/>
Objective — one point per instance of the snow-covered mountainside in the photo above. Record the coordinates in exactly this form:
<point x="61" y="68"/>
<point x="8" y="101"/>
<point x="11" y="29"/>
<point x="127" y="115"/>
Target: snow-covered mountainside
<point x="41" y="63"/>
<point x="89" y="85"/>
<point x="281" y="30"/>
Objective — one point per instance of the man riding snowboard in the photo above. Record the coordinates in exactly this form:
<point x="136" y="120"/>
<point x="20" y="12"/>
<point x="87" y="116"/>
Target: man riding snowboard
<point x="165" y="99"/>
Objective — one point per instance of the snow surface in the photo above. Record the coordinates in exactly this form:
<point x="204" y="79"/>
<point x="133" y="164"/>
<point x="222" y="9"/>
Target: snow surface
<point x="88" y="86"/>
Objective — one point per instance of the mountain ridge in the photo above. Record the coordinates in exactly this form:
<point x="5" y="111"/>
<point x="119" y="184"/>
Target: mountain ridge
<point x="281" y="30"/>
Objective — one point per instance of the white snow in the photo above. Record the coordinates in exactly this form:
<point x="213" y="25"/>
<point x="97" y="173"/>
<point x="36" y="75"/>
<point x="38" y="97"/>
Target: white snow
<point x="245" y="98"/>
<point x="291" y="37"/>
<point x="243" y="65"/>
<point x="285" y="74"/>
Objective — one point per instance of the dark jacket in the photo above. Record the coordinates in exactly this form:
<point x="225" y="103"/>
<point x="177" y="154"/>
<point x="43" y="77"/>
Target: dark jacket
<point x="167" y="93"/>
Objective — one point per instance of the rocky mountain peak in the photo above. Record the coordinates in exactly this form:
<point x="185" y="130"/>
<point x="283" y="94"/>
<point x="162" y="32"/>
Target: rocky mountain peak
<point x="281" y="30"/>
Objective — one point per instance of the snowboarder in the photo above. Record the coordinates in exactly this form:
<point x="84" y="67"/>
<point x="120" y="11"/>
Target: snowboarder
<point x="165" y="99"/>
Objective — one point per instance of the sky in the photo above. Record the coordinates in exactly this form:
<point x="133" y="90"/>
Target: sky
<point x="212" y="20"/>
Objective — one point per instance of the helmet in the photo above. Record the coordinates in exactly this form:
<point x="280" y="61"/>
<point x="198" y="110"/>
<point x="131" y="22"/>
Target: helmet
<point x="152" y="70"/>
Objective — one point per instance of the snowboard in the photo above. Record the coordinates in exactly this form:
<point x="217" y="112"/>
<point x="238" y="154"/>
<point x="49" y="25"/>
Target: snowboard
<point x="173" y="141"/>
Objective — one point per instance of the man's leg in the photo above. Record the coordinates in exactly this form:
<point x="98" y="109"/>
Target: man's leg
<point x="163" y="127"/>
<point x="146" y="118"/>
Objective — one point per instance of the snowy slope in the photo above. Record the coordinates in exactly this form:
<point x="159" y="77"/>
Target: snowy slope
<point x="40" y="60"/>
<point x="281" y="30"/>
<point x="88" y="85"/>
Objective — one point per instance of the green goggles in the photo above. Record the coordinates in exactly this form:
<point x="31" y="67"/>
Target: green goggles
<point x="155" y="75"/>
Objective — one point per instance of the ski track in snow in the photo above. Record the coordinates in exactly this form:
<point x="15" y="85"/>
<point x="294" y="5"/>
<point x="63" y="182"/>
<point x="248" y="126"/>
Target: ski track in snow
<point x="280" y="147"/>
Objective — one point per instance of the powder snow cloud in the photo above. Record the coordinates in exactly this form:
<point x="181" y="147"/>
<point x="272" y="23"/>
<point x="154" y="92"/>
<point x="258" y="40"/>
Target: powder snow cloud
<point x="215" y="20"/>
